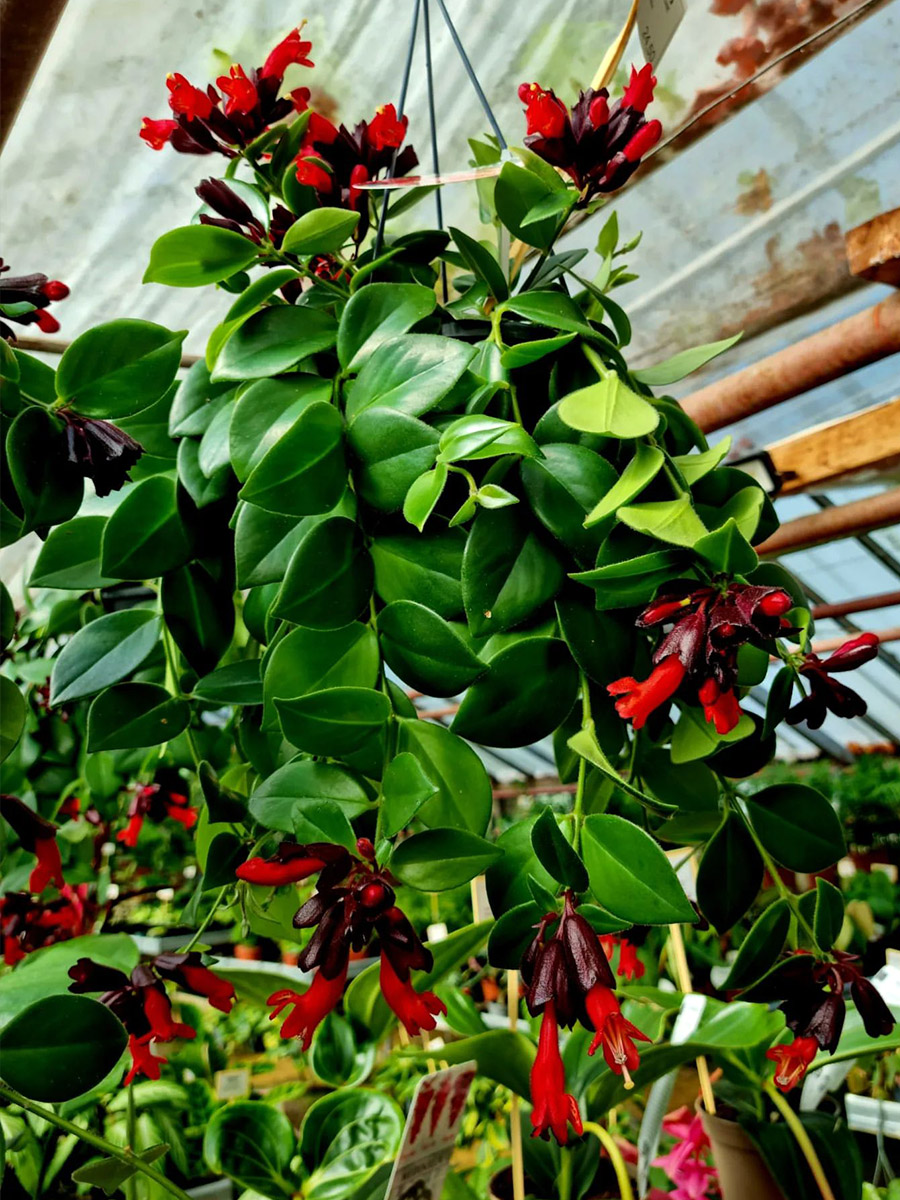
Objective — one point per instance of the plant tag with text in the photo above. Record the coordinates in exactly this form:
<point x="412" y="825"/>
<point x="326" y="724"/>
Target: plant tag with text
<point x="657" y="21"/>
<point x="430" y="1133"/>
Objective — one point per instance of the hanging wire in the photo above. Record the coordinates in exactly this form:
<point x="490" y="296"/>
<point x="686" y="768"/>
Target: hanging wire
<point x="432" y="117"/>
<point x="472" y="76"/>
<point x="401" y="105"/>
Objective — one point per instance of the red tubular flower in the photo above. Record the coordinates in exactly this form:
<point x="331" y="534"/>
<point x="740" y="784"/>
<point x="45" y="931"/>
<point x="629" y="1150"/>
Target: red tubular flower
<point x="645" y="139"/>
<point x="311" y="171"/>
<point x="776" y="604"/>
<point x="792" y="1061"/>
<point x="273" y="872"/>
<point x="598" y="111"/>
<point x="553" y="1110"/>
<point x="386" y="130"/>
<point x="827" y="694"/>
<point x="417" y="1010"/>
<point x="158" y="1011"/>
<point x="639" y="92"/>
<point x="289" y="50"/>
<point x="640" y="699"/>
<point x="46" y="322"/>
<point x="48" y="868"/>
<point x="157" y="133"/>
<point x="183" y="813"/>
<point x="630" y="966"/>
<point x="242" y="95"/>
<point x="12" y="951"/>
<point x="143" y="1061"/>
<point x="203" y="982"/>
<point x="132" y="831"/>
<point x="357" y="198"/>
<point x="191" y="102"/>
<point x="300" y="99"/>
<point x="310" y="1007"/>
<point x="55" y="289"/>
<point x="720" y="707"/>
<point x="614" y="1032"/>
<point x="545" y="113"/>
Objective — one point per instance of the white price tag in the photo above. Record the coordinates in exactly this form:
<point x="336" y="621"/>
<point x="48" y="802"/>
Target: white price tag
<point x="657" y="21"/>
<point x="232" y="1083"/>
<point x="430" y="1134"/>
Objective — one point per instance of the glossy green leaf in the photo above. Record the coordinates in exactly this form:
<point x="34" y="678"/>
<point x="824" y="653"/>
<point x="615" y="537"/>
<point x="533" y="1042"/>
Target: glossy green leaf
<point x="70" y="557"/>
<point x="727" y="549"/>
<point x="640" y="472"/>
<point x="439" y="859"/>
<point x="202" y="489"/>
<point x="133" y="715"/>
<point x="409" y="373"/>
<point x="555" y="854"/>
<point x="110" y="1174"/>
<point x="562" y="487"/>
<point x="463" y="799"/>
<point x="585" y="744"/>
<point x="118" y="368"/>
<point x="212" y="454"/>
<point x="423" y="568"/>
<point x="49" y="487"/>
<point x="828" y="916"/>
<point x="629" y="874"/>
<point x="684" y="363"/>
<point x="199" y="613"/>
<point x="761" y="947"/>
<point x="198" y="254"/>
<point x="552" y="205"/>
<point x="482" y="262"/>
<point x="275" y="340"/>
<point x="730" y="874"/>
<point x="103" y="652"/>
<point x="196" y="401"/>
<point x="526" y="353"/>
<point x="348" y="1139"/>
<point x="263" y="545"/>
<point x="334" y="1055"/>
<point x="673" y="521"/>
<point x="253" y="1144"/>
<point x="626" y="582"/>
<point x="516" y="193"/>
<point x="329" y="577"/>
<point x="265" y="412"/>
<point x="60" y="1047"/>
<point x="377" y="312"/>
<point x="310" y="660"/>
<point x="275" y="802"/>
<point x="236" y="683"/>
<point x="608" y="407"/>
<point x="554" y="309"/>
<point x="693" y="467"/>
<point x="322" y="231"/>
<point x="601" y="645"/>
<point x="503" y="1055"/>
<point x="8" y="618"/>
<point x="478" y="436"/>
<point x="797" y="825"/>
<point x="695" y="737"/>
<point x="304" y="472"/>
<point x="12" y="717"/>
<point x="404" y="789"/>
<point x="425" y="651"/>
<point x="507" y="880"/>
<point x="424" y="494"/>
<point x="145" y="536"/>
<point x="529" y="686"/>
<point x="393" y="450"/>
<point x="334" y="722"/>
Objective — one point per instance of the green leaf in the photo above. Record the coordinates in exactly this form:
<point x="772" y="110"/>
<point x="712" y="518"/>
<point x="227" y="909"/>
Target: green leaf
<point x="761" y="947"/>
<point x="562" y="487"/>
<point x="424" y="568"/>
<point x="439" y="859"/>
<point x="212" y="453"/>
<point x="730" y="874"/>
<point x="640" y="472"/>
<point x="553" y="309"/>
<point x="198" y="254"/>
<point x="829" y="914"/>
<point x="322" y="821"/>
<point x="201" y="489"/>
<point x="118" y="368"/>
<point x="8" y="617"/>
<point x="626" y="582"/>
<point x="350" y="1146"/>
<point x="529" y="686"/>
<point x="507" y="880"/>
<point x="275" y="340"/>
<point x="477" y="436"/>
<point x="322" y="231"/>
<point x="682" y="364"/>
<point x="608" y="237"/>
<point x="425" y="651"/>
<point x="555" y="854"/>
<point x="507" y="572"/>
<point x="196" y="402"/>
<point x="393" y="451"/>
<point x="527" y="353"/>
<point x="253" y="1144"/>
<point x="673" y="521"/>
<point x="265" y="412"/>
<point x="726" y="549"/>
<point x="463" y="798"/>
<point x="60" y="1047"/>
<point x="310" y="660"/>
<point x="252" y="297"/>
<point x="503" y="1055"/>
<point x="334" y="722"/>
<point x="404" y="789"/>
<point x="601" y="645"/>
<point x="585" y="744"/>
<point x="70" y="557"/>
<point x="409" y="373"/>
<point x="334" y="1055"/>
<point x="608" y="407"/>
<point x="695" y="737"/>
<point x="275" y="802"/>
<point x="304" y="472"/>
<point x="693" y="467"/>
<point x="199" y="614"/>
<point x="423" y="495"/>
<point x="48" y="486"/>
<point x="377" y="312"/>
<point x="629" y="874"/>
<point x="552" y="205"/>
<point x="12" y="717"/>
<point x="513" y="932"/>
<point x="482" y="263"/>
<point x="516" y="193"/>
<point x="263" y="545"/>
<point x="145" y="536"/>
<point x="797" y="825"/>
<point x="134" y="715"/>
<point x="329" y="578"/>
<point x="110" y="1174"/>
<point x="103" y="652"/>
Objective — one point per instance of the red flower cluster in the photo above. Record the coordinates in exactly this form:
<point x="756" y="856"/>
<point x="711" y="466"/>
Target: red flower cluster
<point x="630" y="966"/>
<point x="827" y="694"/>
<point x="568" y="978"/>
<point x="687" y="1163"/>
<point x="39" y="836"/>
<point x="25" y="299"/>
<point x="142" y="1005"/>
<point x="27" y="924"/>
<point x="201" y="125"/>
<point x="353" y="902"/>
<point x="599" y="146"/>
<point x="699" y="654"/>
<point x="155" y="802"/>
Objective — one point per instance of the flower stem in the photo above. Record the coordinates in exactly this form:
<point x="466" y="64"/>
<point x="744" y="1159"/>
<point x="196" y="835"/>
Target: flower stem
<point x="204" y="924"/>
<point x="802" y="1138"/>
<point x="125" y="1155"/>
<point x="783" y="891"/>
<point x="566" y="1169"/>
<point x="607" y="1141"/>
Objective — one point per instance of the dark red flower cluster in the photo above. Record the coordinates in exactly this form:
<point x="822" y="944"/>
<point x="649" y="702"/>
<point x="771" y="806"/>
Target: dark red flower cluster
<point x="25" y="299"/>
<point x="101" y="451"/>
<point x="201" y="123"/>
<point x="568" y="979"/>
<point x="27" y="924"/>
<point x="699" y="654"/>
<point x="154" y="802"/>
<point x="827" y="694"/>
<point x="142" y="1005"/>
<point x="353" y="902"/>
<point x="599" y="146"/>
<point x="811" y="995"/>
<point x="39" y="836"/>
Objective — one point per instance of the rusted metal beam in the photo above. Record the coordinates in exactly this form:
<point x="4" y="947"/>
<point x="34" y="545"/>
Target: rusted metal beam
<point x="831" y="524"/>
<point x="862" y="444"/>
<point x="863" y="338"/>
<point x="864" y="604"/>
<point x="26" y="27"/>
<point x="826" y="645"/>
<point x="873" y="249"/>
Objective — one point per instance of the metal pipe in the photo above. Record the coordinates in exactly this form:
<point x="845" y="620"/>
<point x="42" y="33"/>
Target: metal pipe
<point x="864" y="604"/>
<point x="25" y="32"/>
<point x="850" y="344"/>
<point x="831" y="524"/>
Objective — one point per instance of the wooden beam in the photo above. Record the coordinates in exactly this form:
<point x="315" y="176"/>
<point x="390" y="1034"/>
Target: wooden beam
<point x="826" y="645"/>
<point x="867" y="441"/>
<point x="864" y="604"/>
<point x="26" y="27"/>
<point x="850" y="344"/>
<point x="873" y="249"/>
<point x="831" y="524"/>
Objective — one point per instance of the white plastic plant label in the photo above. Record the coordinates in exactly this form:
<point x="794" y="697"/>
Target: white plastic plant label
<point x="430" y="1134"/>
<point x="657" y="21"/>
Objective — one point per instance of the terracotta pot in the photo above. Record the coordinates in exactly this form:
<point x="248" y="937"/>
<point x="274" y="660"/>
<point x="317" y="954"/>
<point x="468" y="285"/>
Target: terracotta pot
<point x="247" y="952"/>
<point x="290" y="958"/>
<point x="742" y="1173"/>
